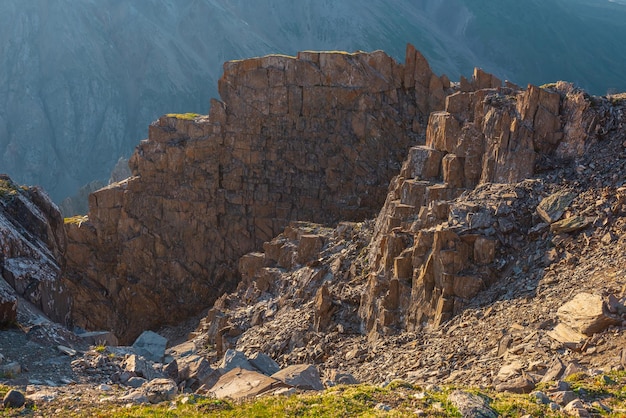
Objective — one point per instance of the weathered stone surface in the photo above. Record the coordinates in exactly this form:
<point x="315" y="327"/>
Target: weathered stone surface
<point x="151" y="346"/>
<point x="235" y="359"/>
<point x="470" y="405"/>
<point x="586" y="313"/>
<point x="32" y="246"/>
<point x="315" y="137"/>
<point x="302" y="376"/>
<point x="240" y="383"/>
<point x="571" y="224"/>
<point x="519" y="384"/>
<point x="138" y="366"/>
<point x="554" y="371"/>
<point x="264" y="363"/>
<point x="552" y="207"/>
<point x="423" y="163"/>
<point x="158" y="390"/>
<point x="323" y="308"/>
<point x="309" y="247"/>
<point x="488" y="134"/>
<point x="576" y="408"/>
<point x="566" y="335"/>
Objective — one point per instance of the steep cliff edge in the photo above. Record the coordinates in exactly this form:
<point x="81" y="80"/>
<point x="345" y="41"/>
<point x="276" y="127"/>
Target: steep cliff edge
<point x="32" y="250"/>
<point x="317" y="137"/>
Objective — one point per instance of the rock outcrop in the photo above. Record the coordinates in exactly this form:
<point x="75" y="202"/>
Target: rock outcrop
<point x="431" y="252"/>
<point x="32" y="250"/>
<point x="317" y="137"/>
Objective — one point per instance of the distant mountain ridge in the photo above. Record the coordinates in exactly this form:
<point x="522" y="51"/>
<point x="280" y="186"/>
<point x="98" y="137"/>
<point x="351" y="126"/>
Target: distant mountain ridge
<point x="79" y="81"/>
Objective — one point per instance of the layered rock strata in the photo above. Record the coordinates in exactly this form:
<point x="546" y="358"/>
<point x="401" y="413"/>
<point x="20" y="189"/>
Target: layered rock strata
<point x="32" y="249"/>
<point x="431" y="252"/>
<point x="317" y="137"/>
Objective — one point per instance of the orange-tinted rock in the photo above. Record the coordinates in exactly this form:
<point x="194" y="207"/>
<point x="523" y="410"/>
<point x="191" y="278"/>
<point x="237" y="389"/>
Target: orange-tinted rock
<point x="316" y="138"/>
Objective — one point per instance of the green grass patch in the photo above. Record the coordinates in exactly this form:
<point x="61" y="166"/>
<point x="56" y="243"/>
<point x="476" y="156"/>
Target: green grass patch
<point x="8" y="188"/>
<point x="183" y="116"/>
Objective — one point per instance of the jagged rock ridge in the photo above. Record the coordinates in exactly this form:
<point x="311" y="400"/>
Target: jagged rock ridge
<point x="316" y="137"/>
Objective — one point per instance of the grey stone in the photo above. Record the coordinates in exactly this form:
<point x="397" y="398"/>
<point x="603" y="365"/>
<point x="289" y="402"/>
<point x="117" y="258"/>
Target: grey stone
<point x="264" y="363"/>
<point x="563" y="397"/>
<point x="160" y="390"/>
<point x="233" y="359"/>
<point x="151" y="346"/>
<point x="136" y="382"/>
<point x="470" y="405"/>
<point x="554" y="371"/>
<point x="541" y="397"/>
<point x="302" y="376"/>
<point x="552" y="207"/>
<point x="134" y="397"/>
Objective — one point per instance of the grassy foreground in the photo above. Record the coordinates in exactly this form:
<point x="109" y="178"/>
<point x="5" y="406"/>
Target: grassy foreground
<point x="398" y="399"/>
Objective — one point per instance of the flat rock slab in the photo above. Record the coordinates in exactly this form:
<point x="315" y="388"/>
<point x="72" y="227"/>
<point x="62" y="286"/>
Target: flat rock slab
<point x="552" y="207"/>
<point x="586" y="313"/>
<point x="241" y="383"/>
<point x="302" y="376"/>
<point x="572" y="224"/>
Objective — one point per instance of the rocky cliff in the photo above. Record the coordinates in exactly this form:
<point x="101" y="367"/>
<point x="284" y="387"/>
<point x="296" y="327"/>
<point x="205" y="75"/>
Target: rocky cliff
<point x="315" y="137"/>
<point x="432" y="252"/>
<point x="32" y="250"/>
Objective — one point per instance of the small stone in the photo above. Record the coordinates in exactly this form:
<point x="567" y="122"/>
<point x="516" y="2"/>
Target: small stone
<point x="577" y="409"/>
<point x="105" y="388"/>
<point x="14" y="399"/>
<point x="541" y="397"/>
<point x="382" y="407"/>
<point x="136" y="382"/>
<point x="520" y="384"/>
<point x="470" y="405"/>
<point x="563" y="397"/>
<point x="302" y="376"/>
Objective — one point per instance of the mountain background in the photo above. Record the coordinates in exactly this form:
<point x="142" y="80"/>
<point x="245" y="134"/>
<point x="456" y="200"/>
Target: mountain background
<point x="80" y="80"/>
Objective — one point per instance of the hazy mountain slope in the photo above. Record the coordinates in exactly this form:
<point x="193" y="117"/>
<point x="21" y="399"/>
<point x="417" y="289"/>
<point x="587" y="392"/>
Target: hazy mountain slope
<point x="81" y="80"/>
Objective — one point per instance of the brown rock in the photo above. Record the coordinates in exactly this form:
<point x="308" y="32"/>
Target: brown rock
<point x="422" y="163"/>
<point x="587" y="314"/>
<point x="301" y="376"/>
<point x="240" y="383"/>
<point x="323" y="308"/>
<point x="567" y="225"/>
<point x="552" y="207"/>
<point x="484" y="250"/>
<point x="442" y="132"/>
<point x="520" y="384"/>
<point x="292" y="138"/>
<point x="309" y="247"/>
<point x="554" y="371"/>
